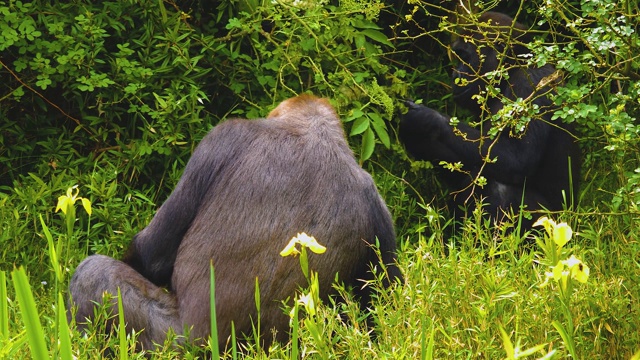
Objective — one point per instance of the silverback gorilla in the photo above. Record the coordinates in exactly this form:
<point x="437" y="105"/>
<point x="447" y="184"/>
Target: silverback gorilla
<point x="538" y="169"/>
<point x="248" y="188"/>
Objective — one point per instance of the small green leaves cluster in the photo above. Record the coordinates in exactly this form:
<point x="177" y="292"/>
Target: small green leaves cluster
<point x="142" y="82"/>
<point x="118" y="77"/>
<point x="596" y="45"/>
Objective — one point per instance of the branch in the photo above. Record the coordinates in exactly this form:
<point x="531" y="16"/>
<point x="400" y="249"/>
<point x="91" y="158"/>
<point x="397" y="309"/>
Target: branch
<point x="43" y="97"/>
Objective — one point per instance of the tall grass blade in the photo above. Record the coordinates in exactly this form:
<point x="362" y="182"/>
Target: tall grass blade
<point x="30" y="316"/>
<point x="507" y="344"/>
<point x="234" y="347"/>
<point x="55" y="264"/>
<point x="122" y="330"/>
<point x="4" y="307"/>
<point x="213" y="339"/>
<point x="427" y="347"/>
<point x="533" y="350"/>
<point x="53" y="256"/>
<point x="295" y="332"/>
<point x="64" y="336"/>
<point x="256" y="327"/>
<point x="568" y="340"/>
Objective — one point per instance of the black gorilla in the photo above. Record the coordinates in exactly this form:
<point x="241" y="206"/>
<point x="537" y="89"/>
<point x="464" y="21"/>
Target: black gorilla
<point x="539" y="169"/>
<point x="249" y="187"/>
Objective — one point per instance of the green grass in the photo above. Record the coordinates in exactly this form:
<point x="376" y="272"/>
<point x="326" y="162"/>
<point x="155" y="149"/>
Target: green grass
<point x="481" y="299"/>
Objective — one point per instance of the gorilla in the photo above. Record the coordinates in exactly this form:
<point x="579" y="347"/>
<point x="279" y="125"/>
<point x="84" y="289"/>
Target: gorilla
<point x="249" y="187"/>
<point x="538" y="169"/>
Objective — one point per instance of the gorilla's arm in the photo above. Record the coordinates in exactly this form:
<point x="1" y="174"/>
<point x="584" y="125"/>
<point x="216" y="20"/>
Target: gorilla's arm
<point x="153" y="250"/>
<point x="428" y="135"/>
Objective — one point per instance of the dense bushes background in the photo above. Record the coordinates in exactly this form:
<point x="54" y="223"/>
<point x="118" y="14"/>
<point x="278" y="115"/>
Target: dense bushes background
<point x="113" y="96"/>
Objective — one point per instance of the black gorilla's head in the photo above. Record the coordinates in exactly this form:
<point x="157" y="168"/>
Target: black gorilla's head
<point x="494" y="41"/>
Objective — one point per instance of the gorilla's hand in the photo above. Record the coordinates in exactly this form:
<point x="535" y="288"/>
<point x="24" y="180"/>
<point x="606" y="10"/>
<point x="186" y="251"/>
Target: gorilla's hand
<point x="422" y="121"/>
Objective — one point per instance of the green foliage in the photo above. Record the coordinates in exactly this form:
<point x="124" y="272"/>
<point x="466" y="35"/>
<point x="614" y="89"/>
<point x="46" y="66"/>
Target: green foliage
<point x="597" y="45"/>
<point x="99" y="80"/>
<point x="283" y="48"/>
<point x="112" y="96"/>
<point x="27" y="304"/>
<point x="137" y="81"/>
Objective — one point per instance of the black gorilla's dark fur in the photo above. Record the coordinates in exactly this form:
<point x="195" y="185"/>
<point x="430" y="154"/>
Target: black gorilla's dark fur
<point x="539" y="169"/>
<point x="249" y="187"/>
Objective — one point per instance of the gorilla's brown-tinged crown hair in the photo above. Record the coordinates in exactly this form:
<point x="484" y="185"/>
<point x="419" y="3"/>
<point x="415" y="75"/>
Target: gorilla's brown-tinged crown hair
<point x="304" y="112"/>
<point x="304" y="104"/>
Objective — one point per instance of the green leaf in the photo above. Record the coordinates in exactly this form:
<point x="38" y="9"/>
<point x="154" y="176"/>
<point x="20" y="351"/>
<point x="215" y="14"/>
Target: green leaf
<point x="256" y="326"/>
<point x="377" y="36"/>
<point x="295" y="331"/>
<point x="355" y="114"/>
<point x="368" y="144"/>
<point x="308" y="44"/>
<point x="507" y="344"/>
<point x="161" y="101"/>
<point x="566" y="337"/>
<point x="381" y="129"/>
<point x="53" y="256"/>
<point x="122" y="330"/>
<point x="30" y="315"/>
<point x="234" y="23"/>
<point x="213" y="340"/>
<point x="365" y="24"/>
<point x="359" y="126"/>
<point x="64" y="336"/>
<point x="533" y="350"/>
<point x="4" y="308"/>
<point x="427" y="345"/>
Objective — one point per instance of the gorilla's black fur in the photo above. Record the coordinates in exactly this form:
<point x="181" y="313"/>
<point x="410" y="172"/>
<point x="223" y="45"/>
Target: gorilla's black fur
<point x="539" y="169"/>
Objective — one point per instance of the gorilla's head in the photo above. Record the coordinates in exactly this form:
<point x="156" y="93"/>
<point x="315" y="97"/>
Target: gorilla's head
<point x="494" y="41"/>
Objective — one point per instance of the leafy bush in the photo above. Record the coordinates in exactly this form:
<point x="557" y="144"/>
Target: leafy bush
<point x="597" y="46"/>
<point x="112" y="96"/>
<point x="138" y="81"/>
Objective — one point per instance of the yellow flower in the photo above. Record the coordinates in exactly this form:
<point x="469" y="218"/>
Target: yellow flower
<point x="290" y="249"/>
<point x="308" y="303"/>
<point x="577" y="269"/>
<point x="304" y="240"/>
<point x="310" y="242"/>
<point x="562" y="234"/>
<point x="548" y="224"/>
<point x="572" y="267"/>
<point x="70" y="198"/>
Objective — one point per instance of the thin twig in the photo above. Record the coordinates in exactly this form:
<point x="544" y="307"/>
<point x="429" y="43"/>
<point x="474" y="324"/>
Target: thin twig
<point x="43" y="97"/>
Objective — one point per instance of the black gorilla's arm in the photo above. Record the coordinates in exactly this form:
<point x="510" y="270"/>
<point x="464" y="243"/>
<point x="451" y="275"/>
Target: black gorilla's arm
<point x="428" y="135"/>
<point x="153" y="250"/>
